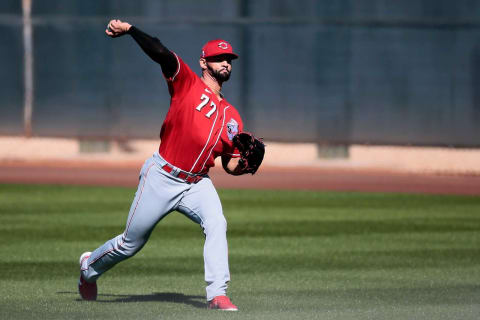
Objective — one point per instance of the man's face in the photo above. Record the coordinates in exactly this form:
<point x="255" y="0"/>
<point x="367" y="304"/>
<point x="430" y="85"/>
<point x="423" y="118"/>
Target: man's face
<point x="220" y="67"/>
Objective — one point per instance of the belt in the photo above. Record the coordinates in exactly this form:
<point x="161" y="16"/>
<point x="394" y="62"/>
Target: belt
<point x="188" y="178"/>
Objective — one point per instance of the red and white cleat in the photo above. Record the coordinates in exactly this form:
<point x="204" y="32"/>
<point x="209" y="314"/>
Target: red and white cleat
<point x="222" y="303"/>
<point x="88" y="291"/>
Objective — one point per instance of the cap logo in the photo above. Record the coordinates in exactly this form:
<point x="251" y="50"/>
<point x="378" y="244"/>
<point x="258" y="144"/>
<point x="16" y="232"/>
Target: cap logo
<point x="203" y="53"/>
<point x="223" y="45"/>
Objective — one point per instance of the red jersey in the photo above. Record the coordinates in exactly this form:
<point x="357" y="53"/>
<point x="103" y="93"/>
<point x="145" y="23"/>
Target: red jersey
<point x="198" y="127"/>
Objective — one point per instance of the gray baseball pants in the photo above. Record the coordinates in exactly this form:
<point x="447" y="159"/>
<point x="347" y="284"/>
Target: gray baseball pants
<point x="158" y="194"/>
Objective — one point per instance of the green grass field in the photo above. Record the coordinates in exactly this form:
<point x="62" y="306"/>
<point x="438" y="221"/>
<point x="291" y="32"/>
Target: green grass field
<point x="293" y="255"/>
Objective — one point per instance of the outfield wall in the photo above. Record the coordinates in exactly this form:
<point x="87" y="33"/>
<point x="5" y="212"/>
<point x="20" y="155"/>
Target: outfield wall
<point x="328" y="72"/>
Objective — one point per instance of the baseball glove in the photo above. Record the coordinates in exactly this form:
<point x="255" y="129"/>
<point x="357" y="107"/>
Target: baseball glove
<point x="251" y="150"/>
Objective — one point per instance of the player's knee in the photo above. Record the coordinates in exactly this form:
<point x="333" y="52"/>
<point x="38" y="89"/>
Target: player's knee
<point x="217" y="224"/>
<point x="130" y="248"/>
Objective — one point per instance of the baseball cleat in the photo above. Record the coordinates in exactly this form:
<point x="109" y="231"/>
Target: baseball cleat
<point x="87" y="290"/>
<point x="222" y="303"/>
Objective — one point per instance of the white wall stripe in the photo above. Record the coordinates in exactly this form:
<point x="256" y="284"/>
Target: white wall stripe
<point x="29" y="68"/>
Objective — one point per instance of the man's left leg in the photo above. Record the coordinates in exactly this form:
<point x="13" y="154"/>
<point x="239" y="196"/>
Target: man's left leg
<point x="202" y="204"/>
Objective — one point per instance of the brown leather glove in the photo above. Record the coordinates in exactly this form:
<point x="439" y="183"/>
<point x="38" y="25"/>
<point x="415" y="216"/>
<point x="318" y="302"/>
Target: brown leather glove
<point x="251" y="150"/>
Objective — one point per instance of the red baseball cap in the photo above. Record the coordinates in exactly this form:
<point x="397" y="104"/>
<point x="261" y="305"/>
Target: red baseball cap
<point x="217" y="47"/>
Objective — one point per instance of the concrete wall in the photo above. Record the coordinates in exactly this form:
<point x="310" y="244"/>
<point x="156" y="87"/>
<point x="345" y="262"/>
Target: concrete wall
<point x="326" y="72"/>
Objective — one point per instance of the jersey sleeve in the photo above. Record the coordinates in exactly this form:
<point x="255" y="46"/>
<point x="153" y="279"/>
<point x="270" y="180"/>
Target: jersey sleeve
<point x="182" y="79"/>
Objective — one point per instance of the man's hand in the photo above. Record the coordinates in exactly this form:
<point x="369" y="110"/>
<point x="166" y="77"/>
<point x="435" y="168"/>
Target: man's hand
<point x="117" y="28"/>
<point x="231" y="165"/>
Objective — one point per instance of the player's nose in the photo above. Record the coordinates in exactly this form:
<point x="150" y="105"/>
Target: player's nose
<point x="226" y="64"/>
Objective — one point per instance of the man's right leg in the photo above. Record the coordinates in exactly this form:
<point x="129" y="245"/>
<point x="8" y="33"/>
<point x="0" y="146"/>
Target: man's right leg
<point x="154" y="199"/>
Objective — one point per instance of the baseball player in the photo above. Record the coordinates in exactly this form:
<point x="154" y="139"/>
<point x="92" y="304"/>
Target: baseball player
<point x="199" y="126"/>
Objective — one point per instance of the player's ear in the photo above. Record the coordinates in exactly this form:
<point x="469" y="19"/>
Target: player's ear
<point x="203" y="63"/>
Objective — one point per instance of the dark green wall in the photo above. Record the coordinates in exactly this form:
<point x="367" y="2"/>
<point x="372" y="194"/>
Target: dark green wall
<point x="376" y="72"/>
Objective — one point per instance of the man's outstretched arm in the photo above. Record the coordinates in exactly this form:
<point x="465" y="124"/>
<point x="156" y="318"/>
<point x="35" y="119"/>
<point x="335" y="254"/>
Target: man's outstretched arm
<point x="150" y="45"/>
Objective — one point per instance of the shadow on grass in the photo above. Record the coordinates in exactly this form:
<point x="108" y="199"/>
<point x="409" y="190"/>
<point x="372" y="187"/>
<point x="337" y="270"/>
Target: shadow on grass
<point x="194" y="301"/>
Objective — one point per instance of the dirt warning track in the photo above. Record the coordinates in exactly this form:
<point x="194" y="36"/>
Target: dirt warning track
<point x="267" y="178"/>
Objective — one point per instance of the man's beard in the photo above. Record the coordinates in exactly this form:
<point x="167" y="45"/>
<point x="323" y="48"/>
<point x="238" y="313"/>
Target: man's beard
<point x="220" y="77"/>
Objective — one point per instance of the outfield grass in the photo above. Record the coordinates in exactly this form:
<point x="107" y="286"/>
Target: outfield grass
<point x="293" y="255"/>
